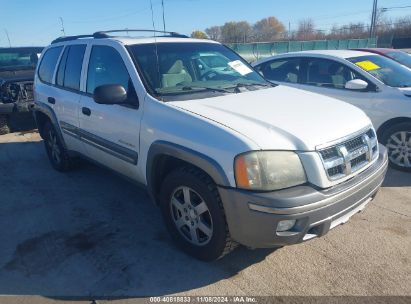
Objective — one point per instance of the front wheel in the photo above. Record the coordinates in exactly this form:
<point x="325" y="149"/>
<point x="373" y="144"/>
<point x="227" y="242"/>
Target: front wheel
<point x="194" y="215"/>
<point x="397" y="139"/>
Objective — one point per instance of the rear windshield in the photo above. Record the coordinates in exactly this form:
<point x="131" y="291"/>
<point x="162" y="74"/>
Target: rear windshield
<point x="384" y="69"/>
<point x="401" y="57"/>
<point x="16" y="59"/>
<point x="193" y="70"/>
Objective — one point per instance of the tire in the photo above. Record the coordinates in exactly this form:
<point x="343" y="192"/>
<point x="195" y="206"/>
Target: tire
<point x="211" y="238"/>
<point x="4" y="125"/>
<point x="56" y="152"/>
<point x="397" y="139"/>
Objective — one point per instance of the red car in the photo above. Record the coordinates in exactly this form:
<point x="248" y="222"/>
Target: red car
<point x="397" y="55"/>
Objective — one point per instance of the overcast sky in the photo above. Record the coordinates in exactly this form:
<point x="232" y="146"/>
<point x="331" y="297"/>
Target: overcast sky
<point x="36" y="22"/>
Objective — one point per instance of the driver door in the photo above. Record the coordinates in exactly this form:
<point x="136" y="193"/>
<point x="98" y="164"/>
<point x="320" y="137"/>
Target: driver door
<point x="110" y="132"/>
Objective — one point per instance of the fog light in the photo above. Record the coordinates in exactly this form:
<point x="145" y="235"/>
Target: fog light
<point x="285" y="225"/>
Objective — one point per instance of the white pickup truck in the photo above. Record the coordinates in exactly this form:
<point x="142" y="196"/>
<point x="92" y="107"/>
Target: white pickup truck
<point x="228" y="157"/>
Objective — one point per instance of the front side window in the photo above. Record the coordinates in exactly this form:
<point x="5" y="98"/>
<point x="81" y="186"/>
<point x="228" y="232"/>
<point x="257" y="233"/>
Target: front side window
<point x="328" y="73"/>
<point x="48" y="64"/>
<point x="69" y="71"/>
<point x="384" y="69"/>
<point x="106" y="67"/>
<point x="282" y="70"/>
<point x="175" y="71"/>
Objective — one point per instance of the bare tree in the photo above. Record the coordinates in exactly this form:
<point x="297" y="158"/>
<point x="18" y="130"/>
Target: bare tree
<point x="214" y="32"/>
<point x="268" y="29"/>
<point x="306" y="30"/>
<point x="236" y="32"/>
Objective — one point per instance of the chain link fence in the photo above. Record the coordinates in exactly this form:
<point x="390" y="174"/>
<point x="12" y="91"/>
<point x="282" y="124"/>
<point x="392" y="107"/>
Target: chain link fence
<point x="254" y="51"/>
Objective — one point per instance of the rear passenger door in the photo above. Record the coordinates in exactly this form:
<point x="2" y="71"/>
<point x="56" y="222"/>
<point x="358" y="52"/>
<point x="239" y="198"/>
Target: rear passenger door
<point x="67" y="94"/>
<point x="111" y="132"/>
<point x="284" y="71"/>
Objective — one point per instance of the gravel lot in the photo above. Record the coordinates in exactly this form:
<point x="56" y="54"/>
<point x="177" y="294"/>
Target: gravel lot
<point x="90" y="234"/>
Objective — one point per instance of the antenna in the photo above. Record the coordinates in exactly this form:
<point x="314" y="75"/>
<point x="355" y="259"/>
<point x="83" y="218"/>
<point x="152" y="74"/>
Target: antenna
<point x="8" y="38"/>
<point x="62" y="26"/>
<point x="164" y="19"/>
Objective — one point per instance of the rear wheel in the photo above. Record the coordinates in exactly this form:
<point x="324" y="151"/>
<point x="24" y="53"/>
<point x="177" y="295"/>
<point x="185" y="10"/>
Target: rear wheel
<point x="56" y="152"/>
<point x="397" y="139"/>
<point x="4" y="125"/>
<point x="194" y="215"/>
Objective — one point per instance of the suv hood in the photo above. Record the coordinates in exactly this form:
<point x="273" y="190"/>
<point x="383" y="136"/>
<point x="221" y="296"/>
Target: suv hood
<point x="281" y="118"/>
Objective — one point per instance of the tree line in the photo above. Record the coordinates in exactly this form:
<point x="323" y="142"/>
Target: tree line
<point x="271" y="29"/>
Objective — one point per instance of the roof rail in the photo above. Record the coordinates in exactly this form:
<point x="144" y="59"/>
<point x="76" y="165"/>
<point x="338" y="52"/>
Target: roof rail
<point x="104" y="34"/>
<point x="68" y="38"/>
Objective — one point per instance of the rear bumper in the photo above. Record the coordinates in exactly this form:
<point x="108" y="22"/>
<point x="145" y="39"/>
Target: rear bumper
<point x="253" y="217"/>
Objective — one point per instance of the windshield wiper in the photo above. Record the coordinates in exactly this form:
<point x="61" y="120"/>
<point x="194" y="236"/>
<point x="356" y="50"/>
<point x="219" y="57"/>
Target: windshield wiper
<point x="189" y="88"/>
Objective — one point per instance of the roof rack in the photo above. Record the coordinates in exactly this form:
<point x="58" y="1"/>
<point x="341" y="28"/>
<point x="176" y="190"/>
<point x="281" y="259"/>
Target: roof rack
<point x="105" y="34"/>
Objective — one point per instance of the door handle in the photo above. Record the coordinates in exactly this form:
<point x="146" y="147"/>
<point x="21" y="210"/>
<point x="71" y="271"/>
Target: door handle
<point x="51" y="100"/>
<point x="86" y="111"/>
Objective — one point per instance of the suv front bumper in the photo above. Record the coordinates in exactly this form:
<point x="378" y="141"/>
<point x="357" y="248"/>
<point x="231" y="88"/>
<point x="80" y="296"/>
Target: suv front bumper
<point x="253" y="217"/>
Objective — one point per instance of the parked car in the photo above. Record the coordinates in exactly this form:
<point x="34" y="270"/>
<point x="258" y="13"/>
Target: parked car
<point x="378" y="85"/>
<point x="17" y="67"/>
<point x="228" y="158"/>
<point x="397" y="55"/>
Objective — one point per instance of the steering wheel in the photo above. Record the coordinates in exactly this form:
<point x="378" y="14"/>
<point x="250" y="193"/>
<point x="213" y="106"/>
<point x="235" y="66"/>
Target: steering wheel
<point x="208" y="75"/>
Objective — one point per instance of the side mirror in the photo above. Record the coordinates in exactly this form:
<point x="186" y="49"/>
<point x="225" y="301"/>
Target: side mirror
<point x="356" y="84"/>
<point x="110" y="94"/>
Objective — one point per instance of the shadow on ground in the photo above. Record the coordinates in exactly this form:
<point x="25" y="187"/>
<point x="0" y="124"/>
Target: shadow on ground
<point x="89" y="234"/>
<point x="396" y="178"/>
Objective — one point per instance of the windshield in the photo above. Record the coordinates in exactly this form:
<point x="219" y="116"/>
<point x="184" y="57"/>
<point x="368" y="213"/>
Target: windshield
<point x="195" y="69"/>
<point x="401" y="57"/>
<point x="16" y="59"/>
<point x="384" y="69"/>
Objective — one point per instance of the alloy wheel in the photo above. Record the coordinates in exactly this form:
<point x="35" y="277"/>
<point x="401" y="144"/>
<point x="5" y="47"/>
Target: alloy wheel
<point x="191" y="216"/>
<point x="399" y="148"/>
<point x="53" y="146"/>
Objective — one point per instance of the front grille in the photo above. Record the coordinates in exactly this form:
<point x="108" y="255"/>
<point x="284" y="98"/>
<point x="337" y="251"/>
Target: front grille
<point x="348" y="156"/>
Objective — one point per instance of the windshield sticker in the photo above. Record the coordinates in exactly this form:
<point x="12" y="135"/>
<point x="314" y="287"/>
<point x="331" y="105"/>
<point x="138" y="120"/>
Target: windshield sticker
<point x="367" y="65"/>
<point x="240" y="67"/>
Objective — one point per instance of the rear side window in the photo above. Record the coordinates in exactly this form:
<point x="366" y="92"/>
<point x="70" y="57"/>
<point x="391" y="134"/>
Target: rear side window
<point x="106" y="67"/>
<point x="68" y="74"/>
<point x="48" y="64"/>
<point x="283" y="70"/>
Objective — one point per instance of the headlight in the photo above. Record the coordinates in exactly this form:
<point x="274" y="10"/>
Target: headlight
<point x="268" y="170"/>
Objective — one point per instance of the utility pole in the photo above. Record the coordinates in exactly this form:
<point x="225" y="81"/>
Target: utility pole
<point x="373" y="19"/>
<point x="164" y="19"/>
<point x="62" y="26"/>
<point x="7" y="35"/>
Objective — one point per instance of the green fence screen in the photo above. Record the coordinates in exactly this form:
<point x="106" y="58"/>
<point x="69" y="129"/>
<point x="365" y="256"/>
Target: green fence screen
<point x="254" y="51"/>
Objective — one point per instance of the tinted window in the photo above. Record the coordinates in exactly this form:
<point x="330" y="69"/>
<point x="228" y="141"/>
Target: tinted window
<point x="48" y="64"/>
<point x="329" y="73"/>
<point x="62" y="67"/>
<point x="73" y="66"/>
<point x="106" y="67"/>
<point x="284" y="70"/>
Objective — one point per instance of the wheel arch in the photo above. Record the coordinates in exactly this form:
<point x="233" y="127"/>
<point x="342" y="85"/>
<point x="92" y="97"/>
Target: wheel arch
<point x="43" y="113"/>
<point x="163" y="157"/>
<point x="389" y="123"/>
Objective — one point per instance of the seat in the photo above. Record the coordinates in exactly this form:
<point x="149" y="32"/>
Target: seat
<point x="177" y="74"/>
<point x="318" y="77"/>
